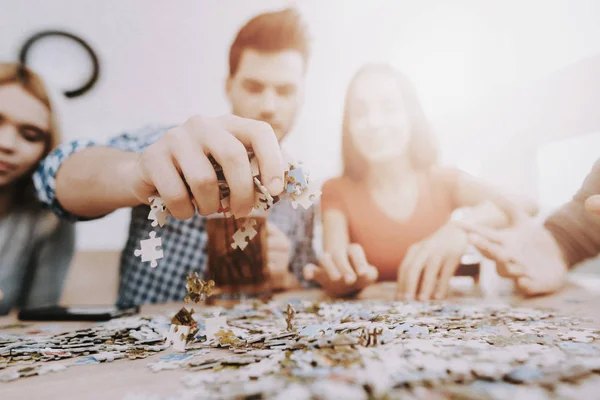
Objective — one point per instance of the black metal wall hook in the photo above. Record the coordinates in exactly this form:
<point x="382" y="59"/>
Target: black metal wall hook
<point x="95" y="63"/>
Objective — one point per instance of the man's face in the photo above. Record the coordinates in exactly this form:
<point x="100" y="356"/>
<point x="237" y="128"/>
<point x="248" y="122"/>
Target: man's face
<point x="268" y="87"/>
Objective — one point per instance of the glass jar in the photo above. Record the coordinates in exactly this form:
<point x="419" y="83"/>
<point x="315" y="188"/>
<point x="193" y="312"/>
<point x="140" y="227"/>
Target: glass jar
<point x="239" y="274"/>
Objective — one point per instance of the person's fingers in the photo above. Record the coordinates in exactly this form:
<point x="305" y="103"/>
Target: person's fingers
<point x="430" y="275"/>
<point x="358" y="259"/>
<point x="505" y="265"/>
<point x="340" y="258"/>
<point x="168" y="182"/>
<point x="533" y="286"/>
<point x="199" y="175"/>
<point x="309" y="271"/>
<point x="414" y="271"/>
<point x="317" y="274"/>
<point x="514" y="269"/>
<point x="368" y="278"/>
<point x="491" y="235"/>
<point x="403" y="270"/>
<point x="260" y="136"/>
<point x="447" y="272"/>
<point x="372" y="274"/>
<point x="232" y="156"/>
<point x="330" y="268"/>
<point x="514" y="212"/>
<point x="530" y="286"/>
<point x="489" y="249"/>
<point x="323" y="280"/>
<point x="592" y="204"/>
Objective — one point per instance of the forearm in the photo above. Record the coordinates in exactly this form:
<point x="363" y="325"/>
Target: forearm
<point x="96" y="181"/>
<point x="482" y="203"/>
<point x="576" y="232"/>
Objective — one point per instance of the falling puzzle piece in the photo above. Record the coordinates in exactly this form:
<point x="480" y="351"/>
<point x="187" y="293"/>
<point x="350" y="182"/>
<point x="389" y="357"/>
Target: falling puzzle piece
<point x="197" y="288"/>
<point x="149" y="251"/>
<point x="306" y="198"/>
<point x="246" y="231"/>
<point x="177" y="337"/>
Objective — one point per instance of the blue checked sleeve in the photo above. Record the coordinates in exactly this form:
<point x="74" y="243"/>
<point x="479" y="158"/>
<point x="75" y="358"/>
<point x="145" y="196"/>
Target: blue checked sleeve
<point x="44" y="177"/>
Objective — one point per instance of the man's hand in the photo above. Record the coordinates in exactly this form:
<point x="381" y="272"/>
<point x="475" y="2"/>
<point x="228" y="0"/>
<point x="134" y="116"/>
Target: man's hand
<point x="180" y="158"/>
<point x="431" y="263"/>
<point x="342" y="272"/>
<point x="525" y="252"/>
<point x="592" y="204"/>
<point x="278" y="256"/>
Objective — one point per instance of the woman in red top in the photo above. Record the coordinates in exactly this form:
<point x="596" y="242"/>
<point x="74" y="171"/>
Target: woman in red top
<point x="388" y="216"/>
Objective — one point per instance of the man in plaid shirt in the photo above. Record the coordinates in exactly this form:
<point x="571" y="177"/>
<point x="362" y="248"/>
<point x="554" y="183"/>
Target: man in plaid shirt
<point x="267" y="64"/>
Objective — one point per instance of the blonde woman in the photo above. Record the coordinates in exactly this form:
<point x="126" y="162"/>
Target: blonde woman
<point x="35" y="247"/>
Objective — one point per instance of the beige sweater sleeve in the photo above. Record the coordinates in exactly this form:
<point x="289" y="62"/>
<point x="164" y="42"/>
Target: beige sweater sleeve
<point x="577" y="231"/>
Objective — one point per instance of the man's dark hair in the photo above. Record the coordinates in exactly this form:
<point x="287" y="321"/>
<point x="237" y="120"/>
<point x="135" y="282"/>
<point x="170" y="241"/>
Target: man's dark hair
<point x="270" y="32"/>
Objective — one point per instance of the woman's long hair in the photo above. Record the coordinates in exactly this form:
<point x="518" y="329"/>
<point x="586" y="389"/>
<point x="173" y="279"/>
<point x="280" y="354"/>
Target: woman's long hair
<point x="18" y="74"/>
<point x="422" y="148"/>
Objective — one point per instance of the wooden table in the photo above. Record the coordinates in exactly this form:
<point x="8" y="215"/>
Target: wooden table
<point x="119" y="378"/>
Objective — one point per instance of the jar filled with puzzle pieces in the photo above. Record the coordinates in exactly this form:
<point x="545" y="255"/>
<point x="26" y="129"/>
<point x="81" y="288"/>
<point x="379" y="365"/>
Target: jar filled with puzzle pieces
<point x="237" y="259"/>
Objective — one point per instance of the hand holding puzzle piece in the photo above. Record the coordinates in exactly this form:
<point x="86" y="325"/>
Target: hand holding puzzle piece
<point x="296" y="184"/>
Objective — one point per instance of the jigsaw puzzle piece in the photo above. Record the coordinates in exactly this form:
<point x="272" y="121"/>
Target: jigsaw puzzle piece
<point x="244" y="234"/>
<point x="225" y="207"/>
<point x="157" y="203"/>
<point x="158" y="211"/>
<point x="261" y="202"/>
<point x="254" y="167"/>
<point x="177" y="337"/>
<point x="158" y="216"/>
<point x="263" y="190"/>
<point x="306" y="198"/>
<point x="296" y="181"/>
<point x="214" y="325"/>
<point x="149" y="251"/>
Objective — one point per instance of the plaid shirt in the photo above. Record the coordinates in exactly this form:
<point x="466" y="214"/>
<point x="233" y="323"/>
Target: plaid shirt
<point x="183" y="242"/>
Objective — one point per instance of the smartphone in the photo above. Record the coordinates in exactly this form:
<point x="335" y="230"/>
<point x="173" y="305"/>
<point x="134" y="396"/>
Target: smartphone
<point x="75" y="313"/>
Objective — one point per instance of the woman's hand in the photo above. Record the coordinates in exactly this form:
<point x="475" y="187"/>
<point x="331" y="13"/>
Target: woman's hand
<point x="342" y="272"/>
<point x="429" y="265"/>
<point x="525" y="252"/>
<point x="278" y="256"/>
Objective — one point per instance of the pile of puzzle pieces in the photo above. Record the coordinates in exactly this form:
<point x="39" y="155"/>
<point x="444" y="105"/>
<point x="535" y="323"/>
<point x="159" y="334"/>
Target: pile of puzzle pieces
<point x="321" y="350"/>
<point x="183" y="325"/>
<point x="298" y="187"/>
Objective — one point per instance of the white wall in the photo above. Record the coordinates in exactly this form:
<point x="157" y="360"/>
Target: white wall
<point x="163" y="61"/>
